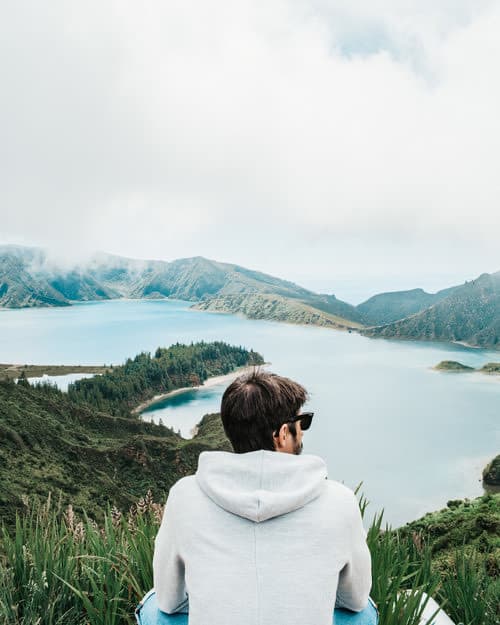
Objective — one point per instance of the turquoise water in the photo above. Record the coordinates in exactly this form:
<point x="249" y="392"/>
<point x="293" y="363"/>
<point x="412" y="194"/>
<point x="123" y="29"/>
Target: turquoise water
<point x="415" y="437"/>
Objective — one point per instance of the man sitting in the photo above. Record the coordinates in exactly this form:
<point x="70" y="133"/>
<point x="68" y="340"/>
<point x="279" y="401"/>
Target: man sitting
<point x="261" y="536"/>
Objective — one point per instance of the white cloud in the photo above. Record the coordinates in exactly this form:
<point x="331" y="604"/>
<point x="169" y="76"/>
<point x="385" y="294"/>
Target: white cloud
<point x="304" y="138"/>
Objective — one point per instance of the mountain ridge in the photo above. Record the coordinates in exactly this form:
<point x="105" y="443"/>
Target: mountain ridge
<point x="194" y="279"/>
<point x="468" y="313"/>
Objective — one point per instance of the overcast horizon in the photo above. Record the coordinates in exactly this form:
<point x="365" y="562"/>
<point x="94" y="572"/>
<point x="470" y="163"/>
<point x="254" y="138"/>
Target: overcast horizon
<point x="351" y="148"/>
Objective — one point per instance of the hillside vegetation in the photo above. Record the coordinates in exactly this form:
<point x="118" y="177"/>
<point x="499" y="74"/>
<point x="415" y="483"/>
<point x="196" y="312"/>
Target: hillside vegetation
<point x="490" y="368"/>
<point x="275" y="308"/>
<point x="122" y="388"/>
<point x="58" y="442"/>
<point x="491" y="473"/>
<point x="388" y="307"/>
<point x="469" y="314"/>
<point x="453" y="365"/>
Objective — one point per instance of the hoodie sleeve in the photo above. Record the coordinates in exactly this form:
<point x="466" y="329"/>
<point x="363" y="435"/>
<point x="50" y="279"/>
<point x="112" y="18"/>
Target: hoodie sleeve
<point x="355" y="579"/>
<point x="168" y="565"/>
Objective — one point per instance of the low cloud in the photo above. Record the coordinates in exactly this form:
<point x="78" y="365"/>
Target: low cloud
<point x="303" y="138"/>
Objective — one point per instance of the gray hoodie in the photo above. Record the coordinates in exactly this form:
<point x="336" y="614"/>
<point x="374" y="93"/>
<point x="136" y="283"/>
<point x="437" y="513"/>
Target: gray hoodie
<point x="261" y="538"/>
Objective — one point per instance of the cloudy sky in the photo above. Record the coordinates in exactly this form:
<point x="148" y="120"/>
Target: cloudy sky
<point x="352" y="146"/>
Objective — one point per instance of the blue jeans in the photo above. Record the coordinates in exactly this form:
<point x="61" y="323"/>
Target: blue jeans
<point x="147" y="613"/>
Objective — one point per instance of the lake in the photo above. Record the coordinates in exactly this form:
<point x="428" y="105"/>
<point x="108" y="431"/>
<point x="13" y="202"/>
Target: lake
<point x="415" y="437"/>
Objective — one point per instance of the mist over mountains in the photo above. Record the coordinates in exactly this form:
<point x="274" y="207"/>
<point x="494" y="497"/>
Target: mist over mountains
<point x="468" y="313"/>
<point x="29" y="278"/>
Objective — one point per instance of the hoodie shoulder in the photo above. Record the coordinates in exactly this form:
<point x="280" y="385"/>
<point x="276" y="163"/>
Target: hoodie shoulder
<point x="184" y="484"/>
<point x="182" y="490"/>
<point x="340" y="489"/>
<point x="341" y="492"/>
<point x="343" y="498"/>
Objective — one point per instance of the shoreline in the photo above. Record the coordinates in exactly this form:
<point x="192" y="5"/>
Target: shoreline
<point x="361" y="330"/>
<point x="215" y="380"/>
<point x="13" y="371"/>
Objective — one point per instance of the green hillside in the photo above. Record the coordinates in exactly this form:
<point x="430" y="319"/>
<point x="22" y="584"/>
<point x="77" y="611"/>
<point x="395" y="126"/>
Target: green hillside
<point x="20" y="289"/>
<point x="453" y="365"/>
<point x="57" y="442"/>
<point x="388" y="307"/>
<point x="385" y="308"/>
<point x="79" y="286"/>
<point x="464" y="544"/>
<point x="469" y="314"/>
<point x="490" y="368"/>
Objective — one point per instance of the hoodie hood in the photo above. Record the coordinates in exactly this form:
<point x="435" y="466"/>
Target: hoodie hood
<point x="260" y="485"/>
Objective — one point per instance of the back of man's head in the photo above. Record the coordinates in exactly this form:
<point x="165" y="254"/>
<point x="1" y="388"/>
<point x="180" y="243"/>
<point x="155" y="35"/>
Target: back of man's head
<point x="256" y="405"/>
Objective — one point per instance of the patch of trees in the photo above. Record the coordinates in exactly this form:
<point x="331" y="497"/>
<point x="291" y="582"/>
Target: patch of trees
<point x="139" y="379"/>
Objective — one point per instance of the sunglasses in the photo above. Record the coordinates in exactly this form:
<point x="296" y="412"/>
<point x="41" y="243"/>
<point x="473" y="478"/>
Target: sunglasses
<point x="305" y="420"/>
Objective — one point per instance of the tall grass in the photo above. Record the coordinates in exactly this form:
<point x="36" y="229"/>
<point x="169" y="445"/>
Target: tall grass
<point x="471" y="595"/>
<point x="403" y="579"/>
<point x="58" y="569"/>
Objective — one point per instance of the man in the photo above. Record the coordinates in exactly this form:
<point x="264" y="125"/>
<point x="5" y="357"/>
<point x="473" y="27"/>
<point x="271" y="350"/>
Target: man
<point x="261" y="536"/>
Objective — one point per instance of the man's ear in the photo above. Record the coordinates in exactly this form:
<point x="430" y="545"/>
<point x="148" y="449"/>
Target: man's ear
<point x="283" y="431"/>
<point x="279" y="435"/>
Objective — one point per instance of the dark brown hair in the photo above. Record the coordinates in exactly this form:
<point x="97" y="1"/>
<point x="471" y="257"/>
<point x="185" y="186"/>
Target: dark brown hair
<point x="256" y="405"/>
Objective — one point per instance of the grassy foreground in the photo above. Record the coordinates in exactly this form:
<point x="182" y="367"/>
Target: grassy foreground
<point x="57" y="568"/>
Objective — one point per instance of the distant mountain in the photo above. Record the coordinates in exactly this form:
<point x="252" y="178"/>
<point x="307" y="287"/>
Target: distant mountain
<point x="20" y="289"/>
<point x="78" y="286"/>
<point x="388" y="307"/>
<point x="196" y="279"/>
<point x="469" y="313"/>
